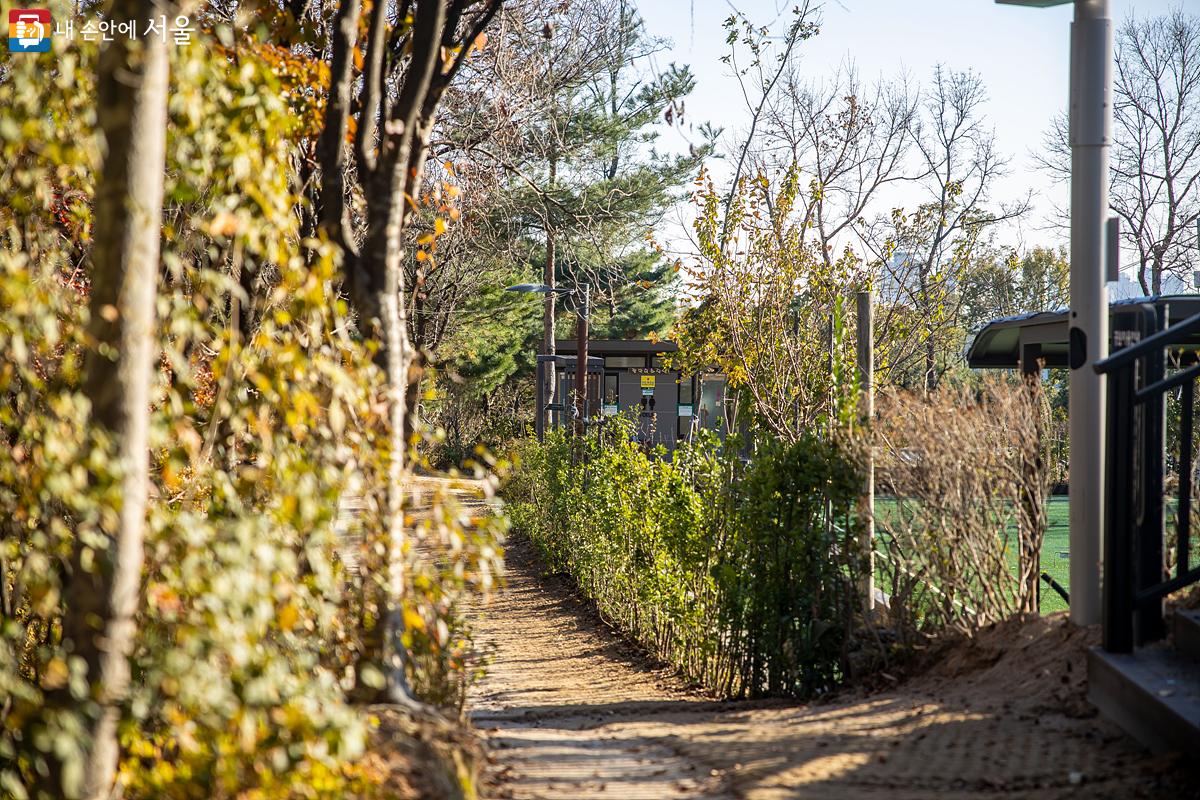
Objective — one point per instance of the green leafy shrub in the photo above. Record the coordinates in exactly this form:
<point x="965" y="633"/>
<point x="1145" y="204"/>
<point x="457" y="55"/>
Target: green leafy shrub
<point x="265" y="423"/>
<point x="742" y="573"/>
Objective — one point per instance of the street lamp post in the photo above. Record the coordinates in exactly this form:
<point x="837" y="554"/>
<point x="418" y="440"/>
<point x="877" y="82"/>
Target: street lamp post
<point x="1091" y="137"/>
<point x="581" y="361"/>
<point x="583" y="294"/>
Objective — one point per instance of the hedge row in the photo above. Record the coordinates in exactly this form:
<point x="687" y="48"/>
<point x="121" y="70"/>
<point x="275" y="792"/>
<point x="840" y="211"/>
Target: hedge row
<point x="741" y="572"/>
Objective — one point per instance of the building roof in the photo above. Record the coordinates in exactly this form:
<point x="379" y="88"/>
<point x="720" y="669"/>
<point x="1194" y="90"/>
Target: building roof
<point x="618" y="346"/>
<point x="998" y="344"/>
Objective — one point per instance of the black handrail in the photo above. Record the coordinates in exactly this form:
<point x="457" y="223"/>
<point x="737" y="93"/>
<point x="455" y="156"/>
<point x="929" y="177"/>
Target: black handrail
<point x="1058" y="587"/>
<point x="1159" y="388"/>
<point x="1135" y="579"/>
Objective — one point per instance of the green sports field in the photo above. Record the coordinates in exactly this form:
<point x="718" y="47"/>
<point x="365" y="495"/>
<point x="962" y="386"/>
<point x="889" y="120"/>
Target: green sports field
<point x="1055" y="548"/>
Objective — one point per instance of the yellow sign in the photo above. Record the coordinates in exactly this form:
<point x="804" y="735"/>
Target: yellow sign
<point x="647" y="381"/>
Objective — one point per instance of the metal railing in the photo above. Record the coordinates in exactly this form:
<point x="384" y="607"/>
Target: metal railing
<point x="1135" y="578"/>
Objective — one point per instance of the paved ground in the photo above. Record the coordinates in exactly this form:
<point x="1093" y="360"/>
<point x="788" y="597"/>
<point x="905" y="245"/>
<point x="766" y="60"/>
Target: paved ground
<point x="571" y="711"/>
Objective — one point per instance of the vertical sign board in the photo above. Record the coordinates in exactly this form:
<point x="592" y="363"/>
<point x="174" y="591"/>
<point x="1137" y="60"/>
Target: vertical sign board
<point x="648" y="416"/>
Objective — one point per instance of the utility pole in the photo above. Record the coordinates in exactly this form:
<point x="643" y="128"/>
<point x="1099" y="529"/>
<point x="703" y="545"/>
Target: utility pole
<point x="581" y="363"/>
<point x="548" y="345"/>
<point x="1091" y="115"/>
<point x="548" y="273"/>
<point x="1091" y="138"/>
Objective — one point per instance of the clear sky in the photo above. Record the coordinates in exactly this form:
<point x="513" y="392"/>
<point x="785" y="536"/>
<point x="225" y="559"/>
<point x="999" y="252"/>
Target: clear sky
<point x="1020" y="53"/>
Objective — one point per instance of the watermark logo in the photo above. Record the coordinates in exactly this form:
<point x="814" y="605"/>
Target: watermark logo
<point x="29" y="30"/>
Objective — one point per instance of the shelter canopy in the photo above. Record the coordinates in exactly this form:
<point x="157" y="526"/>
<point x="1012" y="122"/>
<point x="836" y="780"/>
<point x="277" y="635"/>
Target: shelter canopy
<point x="999" y="344"/>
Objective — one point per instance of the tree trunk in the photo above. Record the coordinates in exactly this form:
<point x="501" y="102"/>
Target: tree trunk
<point x="395" y="352"/>
<point x="930" y="379"/>
<point x="399" y="178"/>
<point x="548" y="278"/>
<point x="103" y="600"/>
<point x="389" y="171"/>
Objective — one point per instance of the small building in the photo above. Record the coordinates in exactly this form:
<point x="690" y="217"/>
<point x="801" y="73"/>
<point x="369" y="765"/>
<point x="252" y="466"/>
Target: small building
<point x="631" y="377"/>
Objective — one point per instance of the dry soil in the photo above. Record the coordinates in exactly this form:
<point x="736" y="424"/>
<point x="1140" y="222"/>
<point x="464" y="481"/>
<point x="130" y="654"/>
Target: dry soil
<point x="571" y="711"/>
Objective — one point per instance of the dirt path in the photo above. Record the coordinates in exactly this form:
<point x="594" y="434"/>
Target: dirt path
<point x="571" y="711"/>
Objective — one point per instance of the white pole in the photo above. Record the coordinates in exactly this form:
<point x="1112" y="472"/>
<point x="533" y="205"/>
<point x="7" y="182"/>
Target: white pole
<point x="1091" y="136"/>
<point x="866" y="377"/>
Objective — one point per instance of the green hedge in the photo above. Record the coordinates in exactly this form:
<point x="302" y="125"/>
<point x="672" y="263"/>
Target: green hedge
<point x="740" y="572"/>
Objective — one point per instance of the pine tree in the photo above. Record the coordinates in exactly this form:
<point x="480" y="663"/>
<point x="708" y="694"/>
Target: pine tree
<point x="584" y="183"/>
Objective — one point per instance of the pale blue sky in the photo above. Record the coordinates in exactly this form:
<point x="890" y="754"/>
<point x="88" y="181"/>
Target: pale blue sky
<point x="1020" y="53"/>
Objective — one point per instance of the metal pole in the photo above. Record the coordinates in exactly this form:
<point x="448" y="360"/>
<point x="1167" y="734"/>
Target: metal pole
<point x="581" y="356"/>
<point x="548" y="343"/>
<point x="1030" y="558"/>
<point x="866" y="378"/>
<point x="1091" y="136"/>
<point x="539" y="419"/>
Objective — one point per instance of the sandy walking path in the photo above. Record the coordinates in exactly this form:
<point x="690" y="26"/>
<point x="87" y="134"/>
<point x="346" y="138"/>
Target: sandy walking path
<point x="572" y="712"/>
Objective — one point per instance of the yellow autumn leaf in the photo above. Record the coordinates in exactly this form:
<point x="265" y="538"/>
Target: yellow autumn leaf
<point x="170" y="477"/>
<point x="55" y="675"/>
<point x="289" y="615"/>
<point x="413" y="621"/>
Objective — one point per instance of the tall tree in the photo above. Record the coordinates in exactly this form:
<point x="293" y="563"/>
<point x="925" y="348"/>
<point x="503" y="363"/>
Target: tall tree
<point x="771" y="312"/>
<point x="105" y="586"/>
<point x="574" y="106"/>
<point x="1000" y="284"/>
<point x="850" y="141"/>
<point x="1155" y="174"/>
<point x="923" y="255"/>
<point x="408" y="62"/>
<point x="758" y="77"/>
<point x="587" y="174"/>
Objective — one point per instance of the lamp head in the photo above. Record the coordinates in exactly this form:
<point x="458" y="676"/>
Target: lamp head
<point x="538" y="288"/>
<point x="530" y="288"/>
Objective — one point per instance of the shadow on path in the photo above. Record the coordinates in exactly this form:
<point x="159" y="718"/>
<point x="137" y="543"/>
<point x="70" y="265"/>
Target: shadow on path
<point x="572" y="711"/>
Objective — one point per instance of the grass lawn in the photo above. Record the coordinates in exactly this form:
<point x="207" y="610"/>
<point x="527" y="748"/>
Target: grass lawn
<point x="1057" y="542"/>
<point x="1055" y="548"/>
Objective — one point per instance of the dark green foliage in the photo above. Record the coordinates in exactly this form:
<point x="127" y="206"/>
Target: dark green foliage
<point x="741" y="574"/>
<point x="641" y="305"/>
<point x="500" y="341"/>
